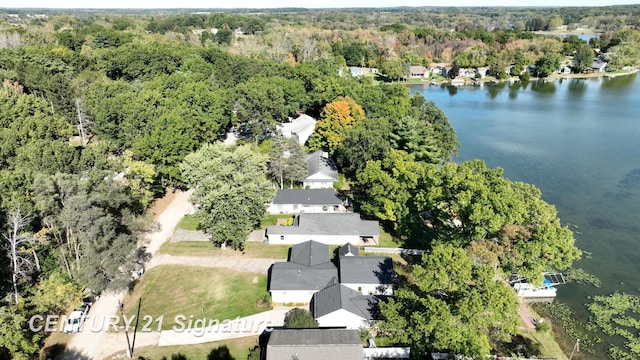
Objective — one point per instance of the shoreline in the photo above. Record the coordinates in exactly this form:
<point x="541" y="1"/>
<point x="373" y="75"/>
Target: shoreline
<point x="492" y="81"/>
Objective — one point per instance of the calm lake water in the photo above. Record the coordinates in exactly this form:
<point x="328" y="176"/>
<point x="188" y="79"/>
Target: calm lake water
<point x="576" y="140"/>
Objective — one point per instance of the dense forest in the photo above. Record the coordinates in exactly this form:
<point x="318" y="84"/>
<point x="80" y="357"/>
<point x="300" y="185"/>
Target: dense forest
<point x="102" y="113"/>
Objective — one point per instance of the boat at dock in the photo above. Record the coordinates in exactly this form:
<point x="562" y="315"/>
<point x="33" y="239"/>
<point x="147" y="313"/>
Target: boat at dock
<point x="526" y="290"/>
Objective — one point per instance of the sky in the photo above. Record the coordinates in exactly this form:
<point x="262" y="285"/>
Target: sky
<point x="112" y="4"/>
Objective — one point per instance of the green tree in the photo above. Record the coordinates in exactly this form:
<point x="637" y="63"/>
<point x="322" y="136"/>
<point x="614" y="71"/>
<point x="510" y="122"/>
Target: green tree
<point x="224" y="36"/>
<point x="230" y="191"/>
<point x="451" y="304"/>
<point x="261" y="103"/>
<point x="425" y="133"/>
<point x="583" y="58"/>
<point x="625" y="54"/>
<point x="548" y="64"/>
<point x="90" y="222"/>
<point x="55" y="294"/>
<point x="366" y="141"/>
<point x="394" y="69"/>
<point x="298" y="318"/>
<point x="286" y="160"/>
<point x="459" y="204"/>
<point x="385" y="186"/>
<point x="15" y="337"/>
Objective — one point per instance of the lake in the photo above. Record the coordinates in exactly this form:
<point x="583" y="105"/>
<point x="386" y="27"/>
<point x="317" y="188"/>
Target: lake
<point x="576" y="140"/>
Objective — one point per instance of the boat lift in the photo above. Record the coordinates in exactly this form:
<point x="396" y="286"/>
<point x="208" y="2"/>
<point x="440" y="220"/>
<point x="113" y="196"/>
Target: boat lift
<point x="547" y="291"/>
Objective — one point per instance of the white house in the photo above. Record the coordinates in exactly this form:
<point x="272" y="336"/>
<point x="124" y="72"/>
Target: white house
<point x="417" y="71"/>
<point x="302" y="127"/>
<point x="368" y="275"/>
<point x="293" y="201"/>
<point x="308" y="270"/>
<point x="339" y="306"/>
<point x="327" y="228"/>
<point x="322" y="171"/>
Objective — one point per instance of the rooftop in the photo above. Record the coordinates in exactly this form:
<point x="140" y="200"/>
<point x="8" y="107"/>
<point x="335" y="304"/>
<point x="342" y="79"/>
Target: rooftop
<point x="366" y="270"/>
<point x="310" y="253"/>
<point x="319" y="163"/>
<point x="307" y="197"/>
<point x="292" y="276"/>
<point x="328" y="224"/>
<point x="335" y="297"/>
<point x="301" y="337"/>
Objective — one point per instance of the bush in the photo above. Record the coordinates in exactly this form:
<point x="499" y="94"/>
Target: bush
<point x="299" y="319"/>
<point x="543" y="326"/>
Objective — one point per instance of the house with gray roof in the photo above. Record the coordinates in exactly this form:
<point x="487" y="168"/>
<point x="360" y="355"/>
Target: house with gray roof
<point x="337" y="305"/>
<point x="314" y="344"/>
<point x="599" y="65"/>
<point x="294" y="201"/>
<point x="368" y="275"/>
<point x="348" y="250"/>
<point x="327" y="228"/>
<point x="301" y="127"/>
<point x="417" y="71"/>
<point x="308" y="270"/>
<point x="322" y="171"/>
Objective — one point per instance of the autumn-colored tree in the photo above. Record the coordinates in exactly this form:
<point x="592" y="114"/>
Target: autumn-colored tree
<point x="337" y="116"/>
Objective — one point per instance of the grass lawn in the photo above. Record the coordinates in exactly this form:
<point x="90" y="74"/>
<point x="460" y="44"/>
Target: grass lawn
<point x="188" y="222"/>
<point x="548" y="346"/>
<point x="183" y="290"/>
<point x="206" y="248"/>
<point x="272" y="219"/>
<point x="237" y="348"/>
<point x="386" y="240"/>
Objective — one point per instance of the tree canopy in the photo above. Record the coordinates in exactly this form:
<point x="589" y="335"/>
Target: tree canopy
<point x="451" y="304"/>
<point x="230" y="191"/>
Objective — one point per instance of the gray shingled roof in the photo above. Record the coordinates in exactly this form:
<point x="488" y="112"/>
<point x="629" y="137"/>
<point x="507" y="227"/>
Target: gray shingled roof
<point x="329" y="337"/>
<point x="310" y="253"/>
<point x="307" y="197"/>
<point x="320" y="163"/>
<point x="336" y="297"/>
<point x="328" y="224"/>
<point x="348" y="250"/>
<point x="292" y="276"/>
<point x="366" y="270"/>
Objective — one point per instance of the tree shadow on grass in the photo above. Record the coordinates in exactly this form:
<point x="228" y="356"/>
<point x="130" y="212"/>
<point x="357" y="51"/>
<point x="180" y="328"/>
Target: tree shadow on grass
<point x="221" y="353"/>
<point x="519" y="345"/>
<point x="59" y="352"/>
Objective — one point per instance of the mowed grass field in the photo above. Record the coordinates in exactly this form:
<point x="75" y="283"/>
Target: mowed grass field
<point x="237" y="349"/>
<point x="206" y="248"/>
<point x="213" y="293"/>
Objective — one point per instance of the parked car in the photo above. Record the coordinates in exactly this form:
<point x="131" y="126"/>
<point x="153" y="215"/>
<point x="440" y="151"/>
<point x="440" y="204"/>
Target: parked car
<point x="76" y="319"/>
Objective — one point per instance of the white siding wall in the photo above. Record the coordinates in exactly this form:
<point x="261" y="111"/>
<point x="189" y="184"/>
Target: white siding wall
<point x="371" y="289"/>
<point x="292" y="296"/>
<point x="296" y="209"/>
<point x="318" y="184"/>
<point x="325" y="239"/>
<point x="341" y="318"/>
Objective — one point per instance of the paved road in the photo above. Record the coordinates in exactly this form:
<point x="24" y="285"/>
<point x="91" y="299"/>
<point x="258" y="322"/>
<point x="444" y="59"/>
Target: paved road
<point x="90" y="344"/>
